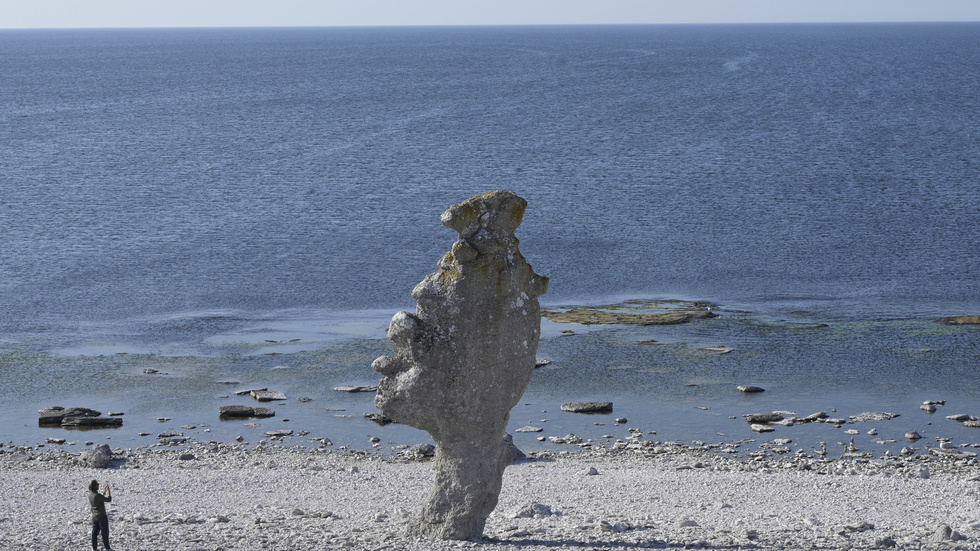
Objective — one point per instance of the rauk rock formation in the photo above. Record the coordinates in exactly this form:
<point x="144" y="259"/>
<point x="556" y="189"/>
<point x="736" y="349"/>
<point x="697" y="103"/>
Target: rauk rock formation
<point x="462" y="361"/>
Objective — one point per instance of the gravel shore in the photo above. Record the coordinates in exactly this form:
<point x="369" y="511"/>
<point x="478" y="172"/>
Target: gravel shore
<point x="235" y="497"/>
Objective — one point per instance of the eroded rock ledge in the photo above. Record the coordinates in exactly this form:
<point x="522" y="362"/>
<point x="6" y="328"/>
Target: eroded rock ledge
<point x="633" y="312"/>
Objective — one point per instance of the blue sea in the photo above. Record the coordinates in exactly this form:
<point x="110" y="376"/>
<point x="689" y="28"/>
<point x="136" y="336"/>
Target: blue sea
<point x="239" y="208"/>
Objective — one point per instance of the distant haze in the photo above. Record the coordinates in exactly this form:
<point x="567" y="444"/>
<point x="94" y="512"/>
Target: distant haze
<point x="262" y="13"/>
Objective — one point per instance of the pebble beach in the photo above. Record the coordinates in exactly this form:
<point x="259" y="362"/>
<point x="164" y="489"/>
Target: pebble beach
<point x="230" y="496"/>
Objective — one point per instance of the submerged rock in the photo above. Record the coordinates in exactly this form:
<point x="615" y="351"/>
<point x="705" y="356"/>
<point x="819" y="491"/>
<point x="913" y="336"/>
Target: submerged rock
<point x="378" y="418"/>
<point x="613" y="315"/>
<point x="717" y="349"/>
<point x="91" y="422"/>
<point x="462" y="361"/>
<point x="960" y="320"/>
<point x="357" y="388"/>
<point x="245" y="411"/>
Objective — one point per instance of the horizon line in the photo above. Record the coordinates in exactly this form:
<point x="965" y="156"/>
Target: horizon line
<point x="449" y="25"/>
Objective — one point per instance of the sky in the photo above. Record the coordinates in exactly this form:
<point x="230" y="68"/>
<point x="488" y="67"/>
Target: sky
<point x="278" y="13"/>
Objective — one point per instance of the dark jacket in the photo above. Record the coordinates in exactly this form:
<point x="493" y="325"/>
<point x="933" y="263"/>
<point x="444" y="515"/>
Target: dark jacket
<point x="98" y="501"/>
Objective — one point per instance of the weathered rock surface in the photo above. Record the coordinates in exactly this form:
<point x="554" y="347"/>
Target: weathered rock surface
<point x="763" y="417"/>
<point x="356" y="388"/>
<point x="873" y="416"/>
<point x="378" y="418"/>
<point x="463" y="360"/>
<point x="54" y="415"/>
<point x="268" y="395"/>
<point x="587" y="407"/>
<point x="586" y="315"/>
<point x="91" y="422"/>
<point x="245" y="411"/>
<point x="248" y="391"/>
<point x="97" y="457"/>
<point x="75" y="417"/>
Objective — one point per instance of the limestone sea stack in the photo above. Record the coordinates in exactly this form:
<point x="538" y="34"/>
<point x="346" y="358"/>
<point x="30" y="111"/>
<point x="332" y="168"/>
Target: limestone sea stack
<point x="463" y="360"/>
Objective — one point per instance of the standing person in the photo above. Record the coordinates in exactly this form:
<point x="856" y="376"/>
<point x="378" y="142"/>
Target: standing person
<point x="100" y="520"/>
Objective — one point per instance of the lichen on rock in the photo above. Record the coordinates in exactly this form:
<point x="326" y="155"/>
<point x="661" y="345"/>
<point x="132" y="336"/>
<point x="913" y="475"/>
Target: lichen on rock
<point x="463" y="360"/>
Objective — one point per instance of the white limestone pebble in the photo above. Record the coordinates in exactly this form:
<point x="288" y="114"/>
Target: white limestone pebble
<point x="236" y="497"/>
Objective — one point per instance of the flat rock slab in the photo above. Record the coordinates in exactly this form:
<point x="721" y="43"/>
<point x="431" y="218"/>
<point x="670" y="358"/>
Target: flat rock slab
<point x="587" y="407"/>
<point x="748" y="389"/>
<point x="54" y="415"/>
<point x="753" y="418"/>
<point x="872" y="416"/>
<point x="357" y="388"/>
<point x="91" y="422"/>
<point x="245" y="411"/>
<point x="248" y="391"/>
<point x="960" y="320"/>
<point x="268" y="395"/>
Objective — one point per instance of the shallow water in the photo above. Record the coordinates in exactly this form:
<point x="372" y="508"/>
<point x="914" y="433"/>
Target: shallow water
<point x="659" y="378"/>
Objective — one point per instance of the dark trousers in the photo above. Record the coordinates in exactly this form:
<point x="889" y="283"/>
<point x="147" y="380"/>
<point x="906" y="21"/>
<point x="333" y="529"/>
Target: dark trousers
<point x="100" y="524"/>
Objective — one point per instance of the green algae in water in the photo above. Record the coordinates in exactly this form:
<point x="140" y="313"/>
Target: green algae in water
<point x="633" y="312"/>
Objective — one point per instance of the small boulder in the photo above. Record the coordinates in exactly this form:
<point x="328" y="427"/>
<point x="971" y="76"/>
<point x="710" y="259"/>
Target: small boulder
<point x="535" y="510"/>
<point x="420" y="451"/>
<point x="97" y="457"/>
<point x="749" y="389"/>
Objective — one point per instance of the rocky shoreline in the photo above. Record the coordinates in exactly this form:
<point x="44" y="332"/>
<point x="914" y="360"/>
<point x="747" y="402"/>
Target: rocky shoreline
<point x="211" y="495"/>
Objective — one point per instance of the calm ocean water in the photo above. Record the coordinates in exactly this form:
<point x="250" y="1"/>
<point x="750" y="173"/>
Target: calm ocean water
<point x="176" y="199"/>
